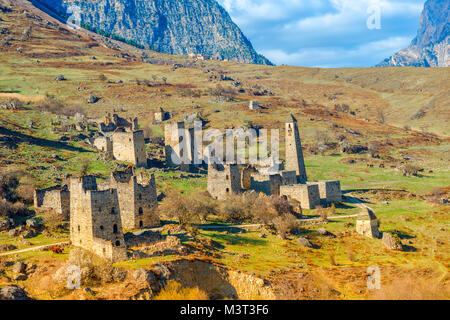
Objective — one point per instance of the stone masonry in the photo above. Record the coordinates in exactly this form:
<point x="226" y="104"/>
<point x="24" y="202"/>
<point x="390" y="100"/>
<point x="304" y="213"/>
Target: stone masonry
<point x="121" y="140"/>
<point x="223" y="180"/>
<point x="137" y="202"/>
<point x="55" y="199"/>
<point x="95" y="221"/>
<point x="367" y="224"/>
<point x="130" y="147"/>
<point x="306" y="194"/>
<point x="294" y="152"/>
<point x="179" y="145"/>
<point x="330" y="191"/>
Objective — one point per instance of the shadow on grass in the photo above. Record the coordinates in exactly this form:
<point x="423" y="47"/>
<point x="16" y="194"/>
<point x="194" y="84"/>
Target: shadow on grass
<point x="9" y="91"/>
<point x="237" y="240"/>
<point x="25" y="138"/>
<point x="353" y="200"/>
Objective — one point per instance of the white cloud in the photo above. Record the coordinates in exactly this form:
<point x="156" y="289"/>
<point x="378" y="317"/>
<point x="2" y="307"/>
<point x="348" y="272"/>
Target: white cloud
<point x="302" y="32"/>
<point x="329" y="57"/>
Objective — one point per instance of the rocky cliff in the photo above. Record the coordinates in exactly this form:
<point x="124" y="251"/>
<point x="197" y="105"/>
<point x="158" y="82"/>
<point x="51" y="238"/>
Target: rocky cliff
<point x="431" y="47"/>
<point x="174" y="27"/>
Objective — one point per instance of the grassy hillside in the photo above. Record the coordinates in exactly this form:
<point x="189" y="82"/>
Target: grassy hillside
<point x="403" y="112"/>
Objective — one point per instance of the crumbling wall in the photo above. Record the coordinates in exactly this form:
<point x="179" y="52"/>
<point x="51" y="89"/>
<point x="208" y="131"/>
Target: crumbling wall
<point x="95" y="222"/>
<point x="130" y="147"/>
<point x="307" y="194"/>
<point x="223" y="180"/>
<point x="330" y="191"/>
<point x="55" y="199"/>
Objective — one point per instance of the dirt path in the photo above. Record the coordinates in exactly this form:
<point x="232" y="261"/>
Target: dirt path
<point x="33" y="248"/>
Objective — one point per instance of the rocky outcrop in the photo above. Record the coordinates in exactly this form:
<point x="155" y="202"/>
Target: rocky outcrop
<point x="392" y="242"/>
<point x="220" y="282"/>
<point x="174" y="27"/>
<point x="13" y="293"/>
<point x="431" y="47"/>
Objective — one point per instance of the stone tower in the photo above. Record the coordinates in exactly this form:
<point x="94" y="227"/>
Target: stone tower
<point x="129" y="146"/>
<point x="95" y="222"/>
<point x="223" y="180"/>
<point x="179" y="145"/>
<point x="294" y="152"/>
<point x="137" y="202"/>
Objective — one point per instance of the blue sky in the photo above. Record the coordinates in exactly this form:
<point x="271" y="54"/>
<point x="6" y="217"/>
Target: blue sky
<point x="326" y="33"/>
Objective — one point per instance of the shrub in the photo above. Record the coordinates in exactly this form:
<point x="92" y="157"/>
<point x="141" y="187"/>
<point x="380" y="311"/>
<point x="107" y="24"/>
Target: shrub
<point x="285" y="225"/>
<point x="411" y="170"/>
<point x="85" y="164"/>
<point x="174" y="291"/>
<point x="187" y="210"/>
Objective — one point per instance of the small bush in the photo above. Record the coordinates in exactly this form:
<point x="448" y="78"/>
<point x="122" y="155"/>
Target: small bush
<point x="174" y="291"/>
<point x="286" y="225"/>
<point x="411" y="170"/>
<point x="187" y="210"/>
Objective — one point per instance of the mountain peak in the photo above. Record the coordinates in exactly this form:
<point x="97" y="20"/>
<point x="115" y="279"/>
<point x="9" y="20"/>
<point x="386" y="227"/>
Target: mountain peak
<point x="174" y="27"/>
<point x="431" y="46"/>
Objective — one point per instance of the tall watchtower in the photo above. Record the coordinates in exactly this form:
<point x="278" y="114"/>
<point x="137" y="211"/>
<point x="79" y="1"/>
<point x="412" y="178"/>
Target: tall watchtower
<point x="137" y="202"/>
<point x="294" y="152"/>
<point x="95" y="223"/>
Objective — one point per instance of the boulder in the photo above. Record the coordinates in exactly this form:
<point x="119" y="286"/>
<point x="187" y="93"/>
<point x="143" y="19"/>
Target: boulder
<point x="323" y="232"/>
<point x="13" y="293"/>
<point x="28" y="234"/>
<point x="148" y="277"/>
<point x="92" y="99"/>
<point x="13" y="232"/>
<point x="19" y="267"/>
<point x="392" y="242"/>
<point x="31" y="223"/>
<point x="304" y="242"/>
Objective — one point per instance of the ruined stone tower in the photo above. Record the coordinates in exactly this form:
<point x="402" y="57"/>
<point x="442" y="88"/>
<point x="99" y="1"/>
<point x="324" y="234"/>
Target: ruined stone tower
<point x="223" y="180"/>
<point x="294" y="152"/>
<point x="129" y="146"/>
<point x="95" y="222"/>
<point x="137" y="202"/>
<point x="179" y="145"/>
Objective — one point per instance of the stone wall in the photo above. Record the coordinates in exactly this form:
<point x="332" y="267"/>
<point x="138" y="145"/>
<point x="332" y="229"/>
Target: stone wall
<point x="130" y="147"/>
<point x="104" y="144"/>
<point x="95" y="222"/>
<point x="330" y="191"/>
<point x="173" y="136"/>
<point x="368" y="228"/>
<point x="55" y="199"/>
<point x="267" y="184"/>
<point x="307" y="194"/>
<point x="223" y="180"/>
<point x="138" y="202"/>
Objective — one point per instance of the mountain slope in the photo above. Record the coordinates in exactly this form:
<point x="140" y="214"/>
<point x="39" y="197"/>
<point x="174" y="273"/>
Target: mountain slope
<point x="432" y="45"/>
<point x="173" y="27"/>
